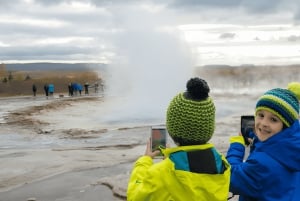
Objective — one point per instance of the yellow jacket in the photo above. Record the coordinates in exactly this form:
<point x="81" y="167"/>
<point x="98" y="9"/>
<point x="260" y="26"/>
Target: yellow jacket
<point x="173" y="179"/>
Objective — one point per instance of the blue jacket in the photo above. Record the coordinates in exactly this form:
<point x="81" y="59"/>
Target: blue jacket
<point x="272" y="170"/>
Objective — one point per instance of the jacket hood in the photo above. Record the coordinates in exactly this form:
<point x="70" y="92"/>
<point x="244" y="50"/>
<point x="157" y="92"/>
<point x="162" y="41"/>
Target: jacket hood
<point x="284" y="147"/>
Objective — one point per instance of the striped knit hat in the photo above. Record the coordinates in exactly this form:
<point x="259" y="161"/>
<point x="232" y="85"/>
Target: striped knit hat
<point x="281" y="102"/>
<point x="191" y="115"/>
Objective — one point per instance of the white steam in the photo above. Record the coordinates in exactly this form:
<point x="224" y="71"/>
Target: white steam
<point x="152" y="68"/>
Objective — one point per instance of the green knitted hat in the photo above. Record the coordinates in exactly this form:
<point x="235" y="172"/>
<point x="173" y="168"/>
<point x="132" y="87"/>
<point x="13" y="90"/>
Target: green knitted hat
<point x="191" y="115"/>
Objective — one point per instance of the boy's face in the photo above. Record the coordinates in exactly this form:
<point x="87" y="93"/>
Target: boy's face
<point x="267" y="124"/>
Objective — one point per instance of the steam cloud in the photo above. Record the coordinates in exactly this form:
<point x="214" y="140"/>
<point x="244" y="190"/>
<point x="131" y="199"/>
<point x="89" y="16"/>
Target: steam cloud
<point x="152" y="67"/>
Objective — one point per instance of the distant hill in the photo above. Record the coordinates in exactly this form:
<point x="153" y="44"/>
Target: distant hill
<point x="55" y="66"/>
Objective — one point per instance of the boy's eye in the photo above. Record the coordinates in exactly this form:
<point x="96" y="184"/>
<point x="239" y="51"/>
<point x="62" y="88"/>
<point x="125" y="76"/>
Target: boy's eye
<point x="260" y="115"/>
<point x="274" y="119"/>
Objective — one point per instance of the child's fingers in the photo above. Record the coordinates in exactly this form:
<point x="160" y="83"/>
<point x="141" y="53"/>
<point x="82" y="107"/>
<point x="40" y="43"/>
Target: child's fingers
<point x="148" y="147"/>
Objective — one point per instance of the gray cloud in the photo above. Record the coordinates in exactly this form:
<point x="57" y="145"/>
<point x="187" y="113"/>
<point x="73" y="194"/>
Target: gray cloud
<point x="293" y="38"/>
<point x="205" y="3"/>
<point x="255" y="9"/>
<point x="95" y="31"/>
<point x="227" y="35"/>
<point x="256" y="6"/>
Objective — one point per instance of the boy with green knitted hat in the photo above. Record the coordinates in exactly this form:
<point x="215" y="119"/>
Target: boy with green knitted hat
<point x="194" y="170"/>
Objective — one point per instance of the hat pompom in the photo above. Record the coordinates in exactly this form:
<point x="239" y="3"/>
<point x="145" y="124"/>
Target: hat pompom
<point x="197" y="89"/>
<point x="295" y="88"/>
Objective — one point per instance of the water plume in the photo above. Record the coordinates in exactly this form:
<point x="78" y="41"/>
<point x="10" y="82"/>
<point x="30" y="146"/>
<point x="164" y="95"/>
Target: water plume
<point x="151" y="68"/>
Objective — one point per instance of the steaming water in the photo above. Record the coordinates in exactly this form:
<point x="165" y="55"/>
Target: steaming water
<point x="148" y="72"/>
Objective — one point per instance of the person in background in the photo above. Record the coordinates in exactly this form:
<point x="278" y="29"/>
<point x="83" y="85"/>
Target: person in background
<point x="86" y="88"/>
<point x="96" y="87"/>
<point x="46" y="89"/>
<point x="34" y="89"/>
<point x="70" y="89"/>
<point x="194" y="170"/>
<point x="271" y="171"/>
<point x="51" y="89"/>
<point x="79" y="88"/>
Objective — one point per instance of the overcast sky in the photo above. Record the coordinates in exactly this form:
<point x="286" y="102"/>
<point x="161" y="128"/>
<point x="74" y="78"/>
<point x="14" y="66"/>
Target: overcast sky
<point x="232" y="32"/>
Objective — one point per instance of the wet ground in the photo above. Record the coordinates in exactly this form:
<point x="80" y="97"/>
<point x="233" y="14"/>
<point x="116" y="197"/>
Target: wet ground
<point x="71" y="186"/>
<point x="60" y="149"/>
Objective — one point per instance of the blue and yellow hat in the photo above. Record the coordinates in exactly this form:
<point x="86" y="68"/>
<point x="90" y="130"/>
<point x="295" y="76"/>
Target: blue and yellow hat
<point x="281" y="102"/>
